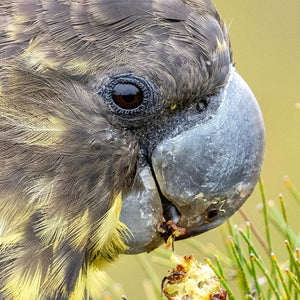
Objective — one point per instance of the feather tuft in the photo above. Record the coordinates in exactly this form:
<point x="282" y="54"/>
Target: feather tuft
<point x="24" y="285"/>
<point x="109" y="236"/>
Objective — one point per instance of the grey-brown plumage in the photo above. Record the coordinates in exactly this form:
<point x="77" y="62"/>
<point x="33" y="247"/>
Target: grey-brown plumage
<point x="66" y="153"/>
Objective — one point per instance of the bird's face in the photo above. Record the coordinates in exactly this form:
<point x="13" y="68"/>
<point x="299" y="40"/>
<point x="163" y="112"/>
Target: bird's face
<point x="197" y="126"/>
<point x="141" y="99"/>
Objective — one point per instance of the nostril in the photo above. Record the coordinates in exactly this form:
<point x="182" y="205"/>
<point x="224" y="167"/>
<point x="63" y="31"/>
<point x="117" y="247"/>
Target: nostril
<point x="212" y="214"/>
<point x="201" y="106"/>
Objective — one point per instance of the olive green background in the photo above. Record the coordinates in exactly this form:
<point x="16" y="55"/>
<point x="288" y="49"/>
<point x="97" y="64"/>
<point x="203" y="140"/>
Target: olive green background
<point x="265" y="37"/>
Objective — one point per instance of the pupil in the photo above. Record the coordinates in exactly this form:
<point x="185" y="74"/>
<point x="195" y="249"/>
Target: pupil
<point x="128" y="97"/>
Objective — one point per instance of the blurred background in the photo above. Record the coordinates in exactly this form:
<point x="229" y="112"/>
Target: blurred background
<point x="265" y="37"/>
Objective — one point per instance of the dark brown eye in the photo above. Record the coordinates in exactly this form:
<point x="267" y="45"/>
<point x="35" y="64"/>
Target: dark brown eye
<point x="130" y="97"/>
<point x="127" y="96"/>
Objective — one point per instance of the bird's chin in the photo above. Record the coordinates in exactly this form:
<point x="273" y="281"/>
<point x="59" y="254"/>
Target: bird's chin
<point x="196" y="179"/>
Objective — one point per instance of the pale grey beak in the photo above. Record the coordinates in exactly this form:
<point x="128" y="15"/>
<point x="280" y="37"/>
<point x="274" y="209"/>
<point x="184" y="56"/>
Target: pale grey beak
<point x="201" y="176"/>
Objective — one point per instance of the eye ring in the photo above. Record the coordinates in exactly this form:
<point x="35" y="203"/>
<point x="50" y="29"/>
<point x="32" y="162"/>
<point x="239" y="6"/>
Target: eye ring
<point x="129" y="96"/>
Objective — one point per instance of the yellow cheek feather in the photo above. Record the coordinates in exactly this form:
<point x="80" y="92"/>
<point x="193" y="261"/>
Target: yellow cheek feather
<point x="79" y="231"/>
<point x="108" y="242"/>
<point x="108" y="237"/>
<point x="92" y="282"/>
<point x="23" y="285"/>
